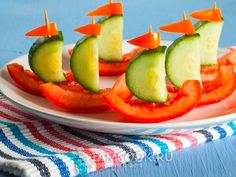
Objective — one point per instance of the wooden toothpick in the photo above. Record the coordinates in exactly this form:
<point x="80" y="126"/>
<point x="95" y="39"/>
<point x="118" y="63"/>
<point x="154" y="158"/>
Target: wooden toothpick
<point x="150" y="29"/>
<point x="110" y="1"/>
<point x="93" y="19"/>
<point x="184" y="16"/>
<point x="47" y="22"/>
<point x="214" y="7"/>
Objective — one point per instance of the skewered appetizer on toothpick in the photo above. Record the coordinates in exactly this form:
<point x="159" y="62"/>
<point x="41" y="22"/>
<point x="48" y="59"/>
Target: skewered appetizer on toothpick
<point x="84" y="65"/>
<point x="45" y="55"/>
<point x="111" y="36"/>
<point x="145" y="78"/>
<point x="145" y="75"/>
<point x="84" y="58"/>
<point x="183" y="55"/>
<point x="209" y="27"/>
<point x="112" y="61"/>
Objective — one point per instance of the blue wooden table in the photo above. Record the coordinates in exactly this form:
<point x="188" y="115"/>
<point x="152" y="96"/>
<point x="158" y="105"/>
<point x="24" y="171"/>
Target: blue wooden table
<point x="16" y="17"/>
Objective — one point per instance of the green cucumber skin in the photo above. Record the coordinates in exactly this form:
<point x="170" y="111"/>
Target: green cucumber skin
<point x="200" y="24"/>
<point x="78" y="43"/>
<point x="141" y="57"/>
<point x="105" y="18"/>
<point x="209" y="49"/>
<point x="74" y="63"/>
<point x="106" y="44"/>
<point x="36" y="45"/>
<point x="169" y="51"/>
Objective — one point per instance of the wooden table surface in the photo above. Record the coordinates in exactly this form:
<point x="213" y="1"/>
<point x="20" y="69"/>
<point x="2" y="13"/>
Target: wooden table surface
<point x="16" y="17"/>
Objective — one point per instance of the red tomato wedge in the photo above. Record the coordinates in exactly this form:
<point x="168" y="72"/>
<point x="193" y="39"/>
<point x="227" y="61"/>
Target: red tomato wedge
<point x="121" y="89"/>
<point x="30" y="83"/>
<point x="27" y="80"/>
<point x="69" y="76"/>
<point x="211" y="72"/>
<point x="221" y="87"/>
<point x="113" y="68"/>
<point x="190" y="96"/>
<point x="82" y="101"/>
<point x="229" y="58"/>
<point x="72" y="86"/>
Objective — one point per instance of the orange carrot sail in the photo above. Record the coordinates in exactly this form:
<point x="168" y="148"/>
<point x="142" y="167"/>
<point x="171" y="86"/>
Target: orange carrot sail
<point x="90" y="29"/>
<point x="150" y="40"/>
<point x="49" y="29"/>
<point x="213" y="14"/>
<point x="112" y="8"/>
<point x="184" y="27"/>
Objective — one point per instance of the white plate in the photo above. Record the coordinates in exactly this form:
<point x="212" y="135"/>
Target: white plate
<point x="109" y="122"/>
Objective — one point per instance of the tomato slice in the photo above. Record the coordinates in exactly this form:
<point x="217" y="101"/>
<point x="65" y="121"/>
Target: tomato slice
<point x="83" y="102"/>
<point x="71" y="98"/>
<point x="149" y="112"/>
<point x="112" y="69"/>
<point x="229" y="58"/>
<point x="209" y="73"/>
<point x="72" y="86"/>
<point x="121" y="89"/>
<point x="220" y="88"/>
<point x="30" y="82"/>
<point x="115" y="68"/>
<point x="26" y="79"/>
<point x="69" y="76"/>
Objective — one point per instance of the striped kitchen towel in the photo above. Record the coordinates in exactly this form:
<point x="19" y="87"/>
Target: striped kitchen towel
<point x="34" y="147"/>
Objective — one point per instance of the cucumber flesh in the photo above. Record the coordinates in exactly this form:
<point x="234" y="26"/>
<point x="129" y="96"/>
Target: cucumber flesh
<point x="110" y="38"/>
<point x="45" y="58"/>
<point x="210" y="33"/>
<point x="183" y="60"/>
<point x="84" y="63"/>
<point x="145" y="75"/>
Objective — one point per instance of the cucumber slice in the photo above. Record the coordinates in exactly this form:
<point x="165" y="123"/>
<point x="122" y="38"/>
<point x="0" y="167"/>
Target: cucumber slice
<point x="110" y="38"/>
<point x="45" y="58"/>
<point x="84" y="63"/>
<point x="183" y="60"/>
<point x="210" y="33"/>
<point x="145" y="75"/>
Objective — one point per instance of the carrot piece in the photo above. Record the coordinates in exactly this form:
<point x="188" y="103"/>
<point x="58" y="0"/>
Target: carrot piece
<point x="184" y="27"/>
<point x="90" y="29"/>
<point x="150" y="40"/>
<point x="49" y="29"/>
<point x="115" y="8"/>
<point x="43" y="31"/>
<point x="213" y="14"/>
